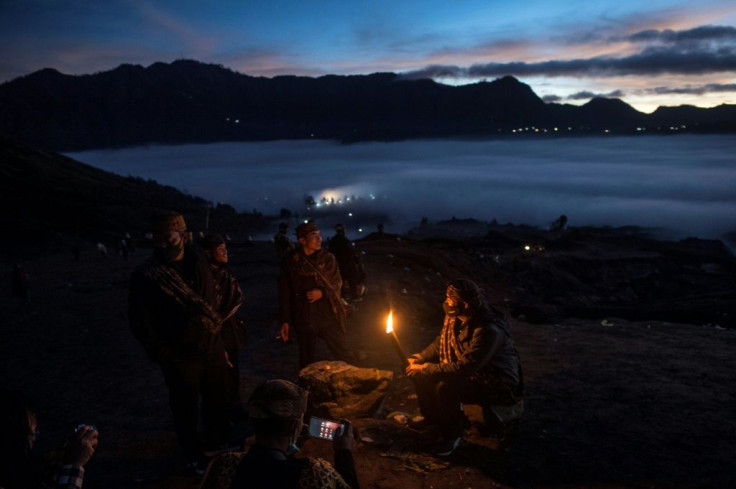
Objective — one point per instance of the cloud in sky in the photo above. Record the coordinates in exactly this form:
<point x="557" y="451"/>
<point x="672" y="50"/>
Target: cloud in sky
<point x="698" y="90"/>
<point x="685" y="90"/>
<point x="586" y="95"/>
<point x="704" y="50"/>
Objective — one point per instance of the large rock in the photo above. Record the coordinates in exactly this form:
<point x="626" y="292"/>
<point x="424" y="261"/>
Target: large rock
<point x="341" y="390"/>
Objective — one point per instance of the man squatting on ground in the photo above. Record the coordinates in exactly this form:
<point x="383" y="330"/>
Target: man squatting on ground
<point x="473" y="360"/>
<point x="309" y="298"/>
<point x="172" y="312"/>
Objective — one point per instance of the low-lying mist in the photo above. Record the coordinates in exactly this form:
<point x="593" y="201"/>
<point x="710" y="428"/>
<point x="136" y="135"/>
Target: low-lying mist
<point x="684" y="184"/>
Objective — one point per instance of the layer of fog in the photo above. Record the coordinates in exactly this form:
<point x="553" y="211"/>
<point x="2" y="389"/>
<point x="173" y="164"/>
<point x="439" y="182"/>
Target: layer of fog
<point x="682" y="183"/>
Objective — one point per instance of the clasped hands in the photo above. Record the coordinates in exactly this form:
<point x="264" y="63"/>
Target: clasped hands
<point x="416" y="365"/>
<point x="314" y="295"/>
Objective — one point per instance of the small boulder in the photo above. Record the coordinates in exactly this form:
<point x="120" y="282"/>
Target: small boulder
<point x="340" y="390"/>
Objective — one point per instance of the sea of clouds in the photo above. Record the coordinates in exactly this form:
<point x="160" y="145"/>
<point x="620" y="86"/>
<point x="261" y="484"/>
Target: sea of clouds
<point x="685" y="183"/>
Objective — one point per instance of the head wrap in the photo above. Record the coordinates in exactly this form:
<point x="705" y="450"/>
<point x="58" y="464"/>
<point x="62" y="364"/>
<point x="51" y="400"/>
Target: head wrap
<point x="463" y="290"/>
<point x="303" y="230"/>
<point x="211" y="241"/>
<point x="168" y="221"/>
<point x="277" y="399"/>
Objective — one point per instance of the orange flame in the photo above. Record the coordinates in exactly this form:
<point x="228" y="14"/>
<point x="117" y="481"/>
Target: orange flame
<point x="390" y="322"/>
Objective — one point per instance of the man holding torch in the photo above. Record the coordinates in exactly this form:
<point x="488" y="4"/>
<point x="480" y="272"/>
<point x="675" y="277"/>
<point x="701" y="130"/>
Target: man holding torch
<point x="473" y="360"/>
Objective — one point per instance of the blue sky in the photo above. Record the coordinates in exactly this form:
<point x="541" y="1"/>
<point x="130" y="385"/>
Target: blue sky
<point x="647" y="53"/>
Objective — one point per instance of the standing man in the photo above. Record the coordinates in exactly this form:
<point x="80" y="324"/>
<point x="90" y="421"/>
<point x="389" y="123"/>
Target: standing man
<point x="473" y="360"/>
<point x="173" y="313"/>
<point x="351" y="269"/>
<point x="229" y="297"/>
<point x="310" y="304"/>
<point x="281" y="242"/>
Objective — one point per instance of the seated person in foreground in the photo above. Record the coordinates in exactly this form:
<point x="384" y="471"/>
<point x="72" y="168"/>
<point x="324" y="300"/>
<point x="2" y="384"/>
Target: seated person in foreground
<point x="276" y="410"/>
<point x="473" y="360"/>
<point x="21" y="467"/>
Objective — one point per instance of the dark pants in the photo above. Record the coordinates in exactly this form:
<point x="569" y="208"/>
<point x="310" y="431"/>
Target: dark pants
<point x="193" y="380"/>
<point x="233" y="375"/>
<point x="440" y="397"/>
<point x="232" y="344"/>
<point x="327" y="328"/>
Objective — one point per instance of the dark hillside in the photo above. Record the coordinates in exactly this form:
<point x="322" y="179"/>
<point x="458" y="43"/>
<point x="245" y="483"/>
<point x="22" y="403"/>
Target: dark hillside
<point x="52" y="201"/>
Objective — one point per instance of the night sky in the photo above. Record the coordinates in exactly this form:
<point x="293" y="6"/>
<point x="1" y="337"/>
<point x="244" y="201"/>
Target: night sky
<point x="649" y="53"/>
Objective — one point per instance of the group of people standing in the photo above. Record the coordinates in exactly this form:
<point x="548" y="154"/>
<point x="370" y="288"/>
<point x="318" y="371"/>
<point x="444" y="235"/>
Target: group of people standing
<point x="182" y="308"/>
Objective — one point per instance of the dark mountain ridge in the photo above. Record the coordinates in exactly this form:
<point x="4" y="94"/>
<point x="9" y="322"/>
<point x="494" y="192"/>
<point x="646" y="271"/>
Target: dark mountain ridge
<point x="188" y="101"/>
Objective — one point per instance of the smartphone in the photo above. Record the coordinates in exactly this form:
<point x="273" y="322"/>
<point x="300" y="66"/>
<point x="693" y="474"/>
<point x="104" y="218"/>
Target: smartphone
<point x="324" y="428"/>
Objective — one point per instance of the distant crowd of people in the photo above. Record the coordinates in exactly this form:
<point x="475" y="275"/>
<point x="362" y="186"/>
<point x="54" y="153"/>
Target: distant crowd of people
<point x="183" y="309"/>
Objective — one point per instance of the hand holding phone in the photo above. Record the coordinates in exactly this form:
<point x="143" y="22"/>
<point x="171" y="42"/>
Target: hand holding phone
<point x="325" y="428"/>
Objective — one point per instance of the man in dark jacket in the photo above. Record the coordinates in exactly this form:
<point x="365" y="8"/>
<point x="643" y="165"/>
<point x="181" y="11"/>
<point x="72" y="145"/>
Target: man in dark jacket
<point x="473" y="360"/>
<point x="173" y="313"/>
<point x="282" y="243"/>
<point x="351" y="269"/>
<point x="310" y="304"/>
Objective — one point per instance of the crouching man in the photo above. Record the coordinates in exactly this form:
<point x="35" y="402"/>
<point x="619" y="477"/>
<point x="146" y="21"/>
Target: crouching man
<point x="473" y="361"/>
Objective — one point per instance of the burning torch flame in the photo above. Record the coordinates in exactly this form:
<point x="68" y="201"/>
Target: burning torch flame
<point x="395" y="339"/>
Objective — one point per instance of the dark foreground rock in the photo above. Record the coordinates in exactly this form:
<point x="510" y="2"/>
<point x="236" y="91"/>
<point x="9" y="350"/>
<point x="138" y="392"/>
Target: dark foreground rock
<point x="339" y="390"/>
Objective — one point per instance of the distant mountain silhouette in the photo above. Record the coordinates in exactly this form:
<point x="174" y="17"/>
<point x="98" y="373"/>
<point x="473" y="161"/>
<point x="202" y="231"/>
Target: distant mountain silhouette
<point x="188" y="101"/>
<point x="51" y="201"/>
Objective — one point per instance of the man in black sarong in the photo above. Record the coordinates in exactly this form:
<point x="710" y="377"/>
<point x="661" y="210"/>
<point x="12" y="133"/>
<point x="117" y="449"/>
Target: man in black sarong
<point x="173" y="313"/>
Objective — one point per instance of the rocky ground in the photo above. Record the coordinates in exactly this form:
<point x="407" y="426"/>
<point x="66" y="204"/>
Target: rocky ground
<point x="644" y="402"/>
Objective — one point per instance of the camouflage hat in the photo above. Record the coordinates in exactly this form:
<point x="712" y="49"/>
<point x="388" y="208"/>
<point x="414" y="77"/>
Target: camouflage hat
<point x="277" y="398"/>
<point x="168" y="221"/>
<point x="303" y="230"/>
